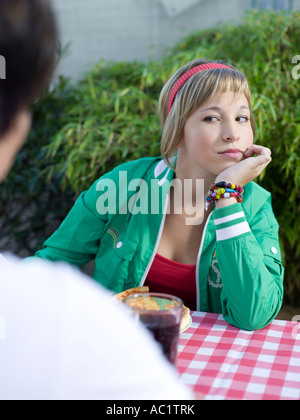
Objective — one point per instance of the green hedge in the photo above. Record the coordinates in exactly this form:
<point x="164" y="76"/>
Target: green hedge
<point x="111" y="117"/>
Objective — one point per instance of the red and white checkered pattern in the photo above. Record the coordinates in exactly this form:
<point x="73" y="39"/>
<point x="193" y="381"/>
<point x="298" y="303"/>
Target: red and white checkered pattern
<point x="220" y="361"/>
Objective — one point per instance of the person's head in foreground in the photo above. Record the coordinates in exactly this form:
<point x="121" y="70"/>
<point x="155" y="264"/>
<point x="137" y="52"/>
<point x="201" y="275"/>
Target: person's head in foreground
<point x="28" y="43"/>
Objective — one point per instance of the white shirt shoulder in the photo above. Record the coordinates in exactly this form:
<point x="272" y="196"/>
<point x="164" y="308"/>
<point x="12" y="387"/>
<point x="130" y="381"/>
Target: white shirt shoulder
<point x="62" y="337"/>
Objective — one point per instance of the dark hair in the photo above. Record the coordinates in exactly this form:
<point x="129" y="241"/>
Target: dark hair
<point x="28" y="43"/>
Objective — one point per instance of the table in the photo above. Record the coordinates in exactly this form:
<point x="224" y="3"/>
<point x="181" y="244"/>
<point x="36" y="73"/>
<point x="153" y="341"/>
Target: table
<point x="220" y="361"/>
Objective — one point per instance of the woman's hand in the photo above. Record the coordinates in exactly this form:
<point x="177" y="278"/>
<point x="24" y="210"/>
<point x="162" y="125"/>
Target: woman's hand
<point x="248" y="169"/>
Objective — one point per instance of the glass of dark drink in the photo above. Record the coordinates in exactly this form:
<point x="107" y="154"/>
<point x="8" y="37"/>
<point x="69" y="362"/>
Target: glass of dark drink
<point x="161" y="314"/>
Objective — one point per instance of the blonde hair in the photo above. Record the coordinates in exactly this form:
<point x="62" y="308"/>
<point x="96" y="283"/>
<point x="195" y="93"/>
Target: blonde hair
<point x="195" y="92"/>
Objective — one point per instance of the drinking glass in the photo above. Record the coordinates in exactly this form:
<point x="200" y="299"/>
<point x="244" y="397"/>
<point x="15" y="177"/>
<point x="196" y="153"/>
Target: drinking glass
<point x="161" y="314"/>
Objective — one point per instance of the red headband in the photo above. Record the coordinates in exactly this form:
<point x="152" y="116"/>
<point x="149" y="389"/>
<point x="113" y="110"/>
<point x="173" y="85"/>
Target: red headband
<point x="183" y="79"/>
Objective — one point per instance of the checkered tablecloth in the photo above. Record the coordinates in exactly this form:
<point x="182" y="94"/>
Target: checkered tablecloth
<point x="220" y="361"/>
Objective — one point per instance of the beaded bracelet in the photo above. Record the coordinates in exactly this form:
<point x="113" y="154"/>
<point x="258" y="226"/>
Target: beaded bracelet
<point x="223" y="190"/>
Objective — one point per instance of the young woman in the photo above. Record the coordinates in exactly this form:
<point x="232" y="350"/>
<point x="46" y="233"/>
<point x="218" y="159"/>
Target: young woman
<point x="136" y="223"/>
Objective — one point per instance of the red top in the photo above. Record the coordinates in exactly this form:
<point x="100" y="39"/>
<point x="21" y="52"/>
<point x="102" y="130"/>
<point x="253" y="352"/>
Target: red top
<point x="171" y="277"/>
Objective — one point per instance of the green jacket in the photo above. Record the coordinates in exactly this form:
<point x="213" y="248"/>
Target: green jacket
<point x="239" y="271"/>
